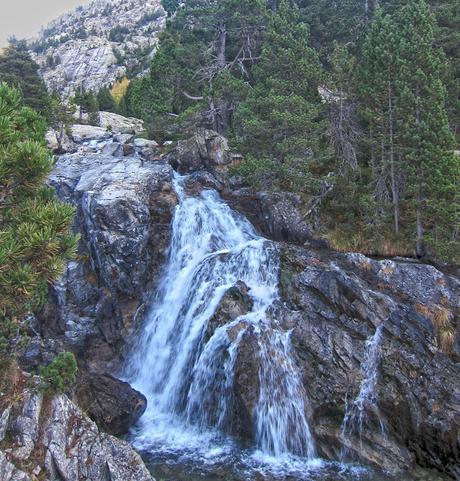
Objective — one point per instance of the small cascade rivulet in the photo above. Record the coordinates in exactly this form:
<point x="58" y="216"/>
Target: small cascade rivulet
<point x="357" y="412"/>
<point x="187" y="373"/>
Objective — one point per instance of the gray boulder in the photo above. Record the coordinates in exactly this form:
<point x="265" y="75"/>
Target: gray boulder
<point x="206" y="149"/>
<point x="123" y="138"/>
<point x="114" y="149"/>
<point x="80" y="133"/>
<point x="120" y="125"/>
<point x="53" y="439"/>
<point x="66" y="144"/>
<point x="145" y="143"/>
<point x="111" y="403"/>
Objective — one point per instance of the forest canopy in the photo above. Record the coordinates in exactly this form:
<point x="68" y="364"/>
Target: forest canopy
<point x="353" y="107"/>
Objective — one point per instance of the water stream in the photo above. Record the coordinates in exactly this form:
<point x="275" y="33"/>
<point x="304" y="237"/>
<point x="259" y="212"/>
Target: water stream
<point x="357" y="412"/>
<point x="186" y="370"/>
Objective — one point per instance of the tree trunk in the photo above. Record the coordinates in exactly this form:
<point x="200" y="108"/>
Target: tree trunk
<point x="394" y="183"/>
<point x="419" y="245"/>
<point x="222" y="108"/>
<point x="221" y="46"/>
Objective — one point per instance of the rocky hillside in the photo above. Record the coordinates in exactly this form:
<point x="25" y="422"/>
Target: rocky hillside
<point x="333" y="303"/>
<point x="98" y="43"/>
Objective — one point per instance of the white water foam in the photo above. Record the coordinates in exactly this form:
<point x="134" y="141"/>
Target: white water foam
<point x="187" y="378"/>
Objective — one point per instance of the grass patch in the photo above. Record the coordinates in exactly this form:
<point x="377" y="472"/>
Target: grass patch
<point x="441" y="318"/>
<point x="360" y="240"/>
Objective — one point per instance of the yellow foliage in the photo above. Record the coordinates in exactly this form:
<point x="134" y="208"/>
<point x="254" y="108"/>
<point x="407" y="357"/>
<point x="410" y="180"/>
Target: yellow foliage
<point x="441" y="320"/>
<point x="361" y="241"/>
<point x="119" y="89"/>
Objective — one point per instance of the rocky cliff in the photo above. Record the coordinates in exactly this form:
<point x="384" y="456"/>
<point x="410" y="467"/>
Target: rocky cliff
<point x="98" y="43"/>
<point x="377" y="341"/>
<point x="45" y="436"/>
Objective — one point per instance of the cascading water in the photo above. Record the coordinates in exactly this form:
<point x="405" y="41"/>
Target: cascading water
<point x="356" y="415"/>
<point x="188" y="379"/>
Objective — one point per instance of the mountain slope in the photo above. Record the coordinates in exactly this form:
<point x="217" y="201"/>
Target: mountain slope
<point x="98" y="43"/>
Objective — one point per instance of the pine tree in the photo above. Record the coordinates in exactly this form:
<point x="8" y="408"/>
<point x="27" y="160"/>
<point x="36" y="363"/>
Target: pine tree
<point x="207" y="50"/>
<point x="433" y="171"/>
<point x="410" y="145"/>
<point x="105" y="100"/>
<point x="18" y="70"/>
<point x="344" y="131"/>
<point x="378" y="89"/>
<point x="87" y="102"/>
<point x="279" y="126"/>
<point x="35" y="237"/>
<point x="61" y="117"/>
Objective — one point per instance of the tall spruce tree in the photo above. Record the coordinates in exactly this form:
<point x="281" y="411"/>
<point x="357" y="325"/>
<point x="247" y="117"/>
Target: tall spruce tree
<point x="279" y="126"/>
<point x="432" y="169"/>
<point x="412" y="165"/>
<point x="378" y="88"/>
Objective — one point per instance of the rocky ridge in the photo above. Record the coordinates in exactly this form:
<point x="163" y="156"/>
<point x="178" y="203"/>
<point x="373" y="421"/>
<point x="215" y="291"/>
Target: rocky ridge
<point x="98" y="43"/>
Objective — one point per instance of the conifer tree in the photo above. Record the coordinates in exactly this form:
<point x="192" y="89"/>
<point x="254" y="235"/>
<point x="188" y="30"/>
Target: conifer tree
<point x="279" y="126"/>
<point x="35" y="237"/>
<point x="379" y="90"/>
<point x="105" y="100"/>
<point x="433" y="171"/>
<point x="18" y="70"/>
<point x="412" y="164"/>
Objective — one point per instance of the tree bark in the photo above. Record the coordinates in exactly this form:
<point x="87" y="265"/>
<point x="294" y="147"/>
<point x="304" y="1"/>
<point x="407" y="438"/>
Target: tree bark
<point x="419" y="244"/>
<point x="222" y="109"/>
<point x="394" y="183"/>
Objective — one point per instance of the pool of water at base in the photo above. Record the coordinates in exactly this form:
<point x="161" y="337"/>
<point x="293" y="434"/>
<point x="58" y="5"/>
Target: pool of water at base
<point x="219" y="464"/>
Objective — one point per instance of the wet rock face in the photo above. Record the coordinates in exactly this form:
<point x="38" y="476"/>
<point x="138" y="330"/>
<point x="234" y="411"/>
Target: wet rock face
<point x="246" y="387"/>
<point x="334" y="303"/>
<point x="53" y="439"/>
<point x="235" y="303"/>
<point x="124" y="208"/>
<point x="233" y="306"/>
<point x="111" y="403"/>
<point x="277" y="215"/>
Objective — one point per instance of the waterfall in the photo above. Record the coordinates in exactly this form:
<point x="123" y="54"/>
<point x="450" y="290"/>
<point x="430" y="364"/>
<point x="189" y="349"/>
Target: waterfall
<point x="187" y="378"/>
<point x="356" y="413"/>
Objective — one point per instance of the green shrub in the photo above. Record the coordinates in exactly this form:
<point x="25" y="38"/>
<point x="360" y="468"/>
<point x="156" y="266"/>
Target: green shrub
<point x="60" y="375"/>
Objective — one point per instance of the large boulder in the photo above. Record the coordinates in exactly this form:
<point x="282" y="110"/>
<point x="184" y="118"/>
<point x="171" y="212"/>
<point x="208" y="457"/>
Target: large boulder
<point x="66" y="144"/>
<point x="120" y="125"/>
<point x="206" y="149"/>
<point x="81" y="133"/>
<point x="278" y="215"/>
<point x="113" y="404"/>
<point x="51" y="438"/>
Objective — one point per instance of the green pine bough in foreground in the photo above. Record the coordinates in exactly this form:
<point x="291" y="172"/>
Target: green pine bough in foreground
<point x="35" y="227"/>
